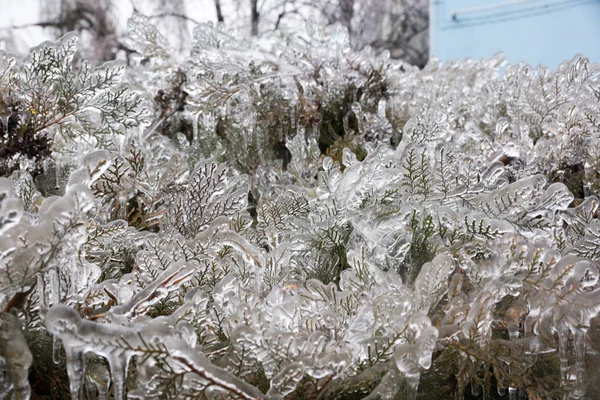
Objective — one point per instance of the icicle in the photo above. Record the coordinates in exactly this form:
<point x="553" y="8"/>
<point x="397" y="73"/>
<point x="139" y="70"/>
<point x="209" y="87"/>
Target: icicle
<point x="412" y="386"/>
<point x="475" y="388"/>
<point x="513" y="332"/>
<point x="458" y="393"/>
<point x="101" y="378"/>
<point x="118" y="370"/>
<point x="387" y="388"/>
<point x="42" y="294"/>
<point x="195" y="127"/>
<point x="53" y="298"/>
<point x="579" y="344"/>
<point x="118" y="344"/>
<point x="563" y="356"/>
<point x="56" y="346"/>
<point x="301" y="130"/>
<point x="512" y="393"/>
<point x="4" y="121"/>
<point x="75" y="371"/>
<point x="315" y="132"/>
<point x="11" y="208"/>
<point x="119" y="142"/>
<point x="54" y="283"/>
<point x="502" y="387"/>
<point x="58" y="171"/>
<point x="512" y="323"/>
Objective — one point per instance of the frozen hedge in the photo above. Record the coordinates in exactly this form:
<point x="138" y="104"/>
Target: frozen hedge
<point x="292" y="219"/>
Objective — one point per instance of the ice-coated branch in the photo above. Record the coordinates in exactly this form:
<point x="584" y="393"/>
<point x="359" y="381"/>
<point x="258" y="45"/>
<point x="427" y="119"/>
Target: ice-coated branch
<point x="171" y="279"/>
<point x="118" y="344"/>
<point x="198" y="364"/>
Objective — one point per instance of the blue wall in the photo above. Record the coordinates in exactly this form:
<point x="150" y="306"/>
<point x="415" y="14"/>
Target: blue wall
<point x="536" y="31"/>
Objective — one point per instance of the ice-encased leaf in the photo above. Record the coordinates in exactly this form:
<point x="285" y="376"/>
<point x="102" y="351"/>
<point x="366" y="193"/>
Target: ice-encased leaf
<point x="569" y="273"/>
<point x="249" y="252"/>
<point x="557" y="197"/>
<point x="198" y="364"/>
<point x="211" y="197"/>
<point x="305" y="154"/>
<point x="565" y="294"/>
<point x="478" y="223"/>
<point x="331" y="362"/>
<point x="96" y="163"/>
<point x="167" y="282"/>
<point x="415" y="354"/>
<point x="76" y="101"/>
<point x="512" y="199"/>
<point x="286" y="381"/>
<point x="432" y="282"/>
<point x="146" y="38"/>
<point x="56" y="55"/>
<point x="577" y="218"/>
<point x="77" y="202"/>
<point x="478" y="322"/>
<point x="525" y="204"/>
<point x="278" y="210"/>
<point x="348" y="157"/>
<point x="492" y="176"/>
<point x="588" y="245"/>
<point x="360" y="181"/>
<point x="446" y="167"/>
<point x="425" y="126"/>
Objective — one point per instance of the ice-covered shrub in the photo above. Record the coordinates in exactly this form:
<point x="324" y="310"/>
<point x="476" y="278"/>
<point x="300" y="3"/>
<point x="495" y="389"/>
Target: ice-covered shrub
<point x="293" y="219"/>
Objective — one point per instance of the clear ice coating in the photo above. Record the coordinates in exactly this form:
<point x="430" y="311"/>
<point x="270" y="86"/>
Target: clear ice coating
<point x="170" y="280"/>
<point x="118" y="344"/>
<point x="300" y="218"/>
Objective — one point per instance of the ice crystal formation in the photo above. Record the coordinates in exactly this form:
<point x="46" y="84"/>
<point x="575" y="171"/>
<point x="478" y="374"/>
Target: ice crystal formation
<point x="294" y="219"/>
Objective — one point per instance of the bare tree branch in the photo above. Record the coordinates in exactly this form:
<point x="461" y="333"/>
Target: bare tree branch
<point x="254" y="18"/>
<point x="220" y="17"/>
<point x="41" y="24"/>
<point x="175" y="15"/>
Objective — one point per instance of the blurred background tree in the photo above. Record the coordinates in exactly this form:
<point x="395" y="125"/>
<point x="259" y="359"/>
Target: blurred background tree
<point x="94" y="22"/>
<point x="399" y="26"/>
